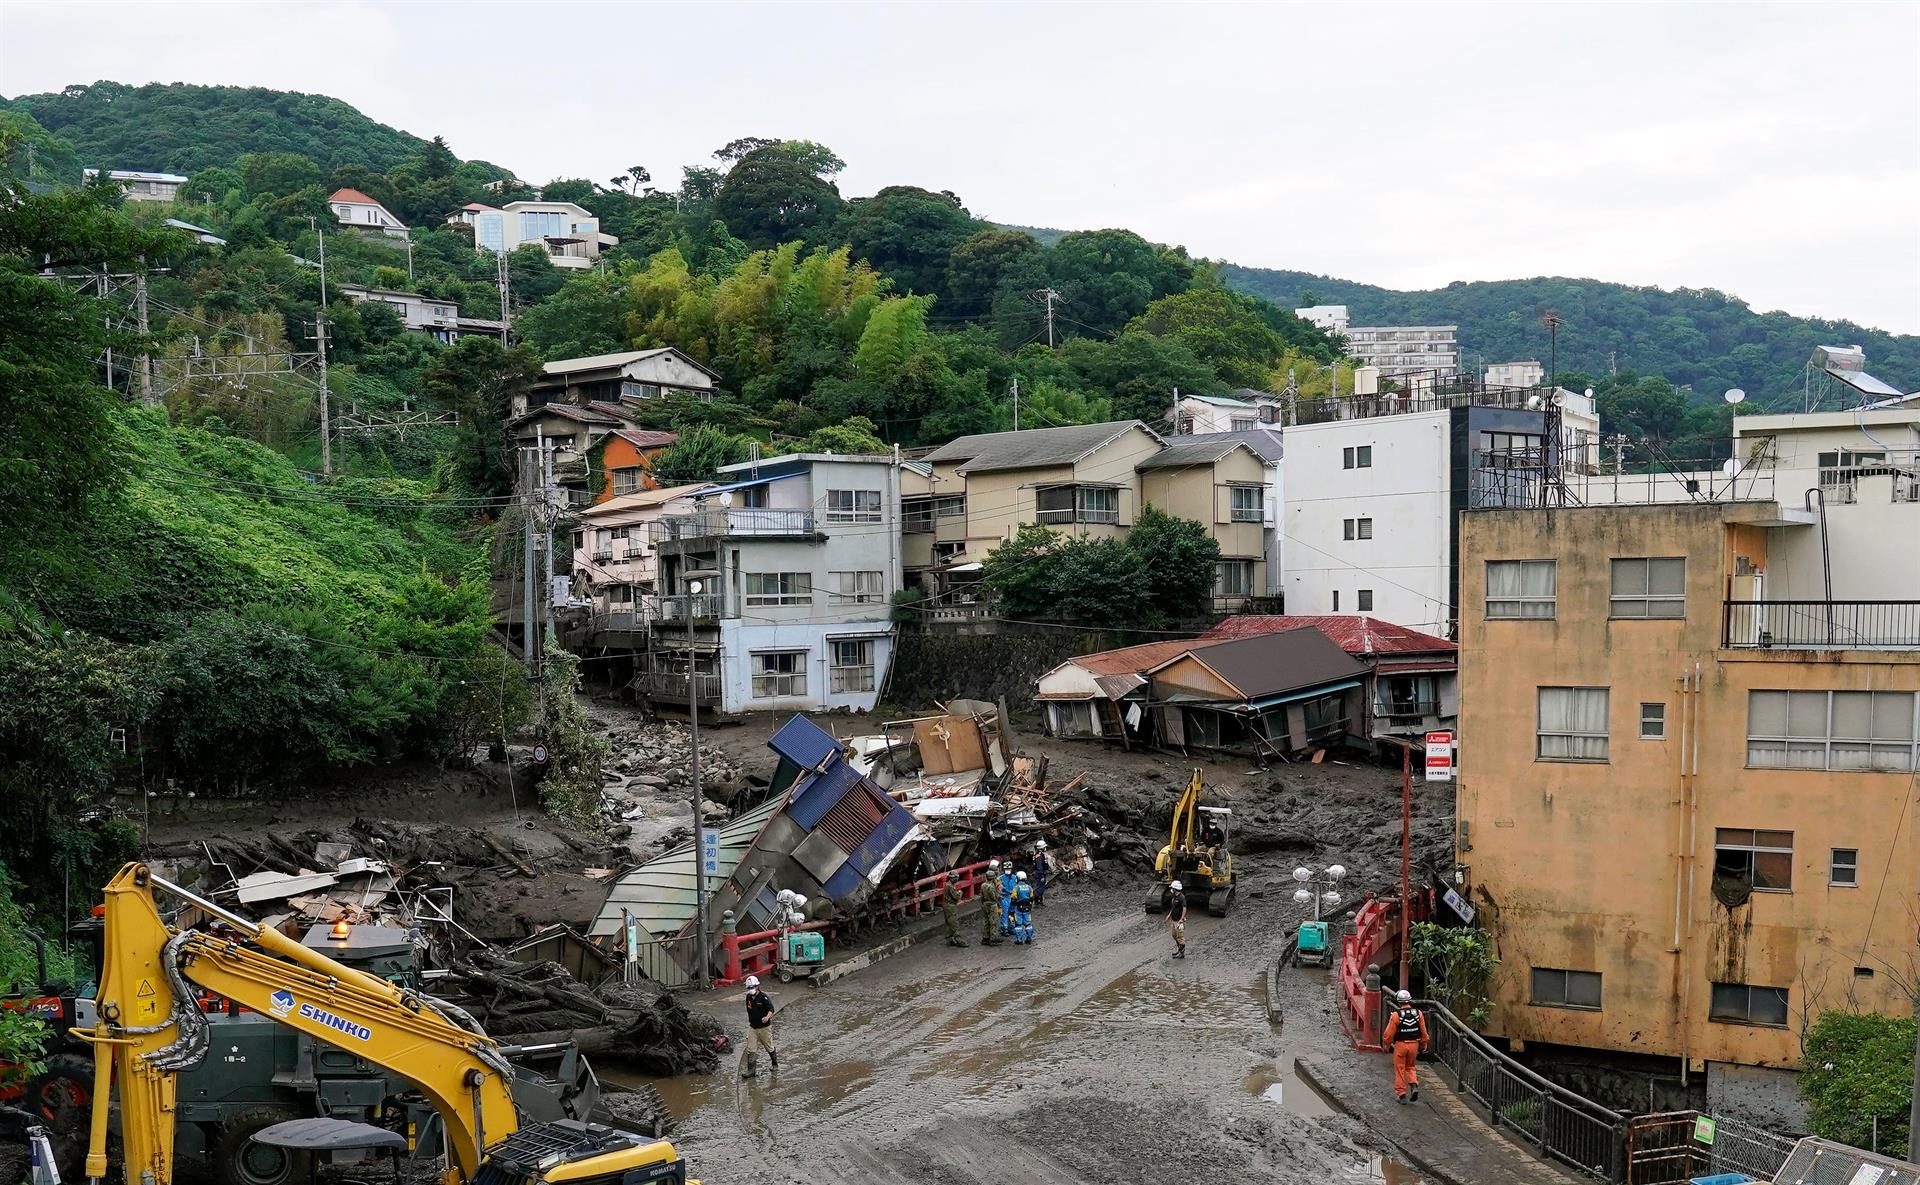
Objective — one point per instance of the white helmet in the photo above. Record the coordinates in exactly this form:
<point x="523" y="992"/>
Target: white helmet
<point x="753" y="981"/>
<point x="1175" y="886"/>
<point x="1039" y="845"/>
<point x="1019" y="876"/>
<point x="993" y="864"/>
<point x="1403" y="996"/>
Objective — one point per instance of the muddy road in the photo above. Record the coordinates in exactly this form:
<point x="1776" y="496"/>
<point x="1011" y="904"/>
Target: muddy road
<point x="1090" y="1056"/>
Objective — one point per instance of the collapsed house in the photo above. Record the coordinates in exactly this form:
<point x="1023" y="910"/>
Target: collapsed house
<point x="1266" y="686"/>
<point x="841" y="822"/>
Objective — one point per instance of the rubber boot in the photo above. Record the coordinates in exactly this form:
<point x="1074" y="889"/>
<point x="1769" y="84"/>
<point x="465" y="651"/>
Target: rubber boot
<point x="1180" y="952"/>
<point x="774" y="1057"/>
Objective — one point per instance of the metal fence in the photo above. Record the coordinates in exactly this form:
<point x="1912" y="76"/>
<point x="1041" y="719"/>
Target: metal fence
<point x="1558" y="1123"/>
<point x="1840" y="625"/>
<point x="1674" y="1147"/>
<point x="1743" y="1148"/>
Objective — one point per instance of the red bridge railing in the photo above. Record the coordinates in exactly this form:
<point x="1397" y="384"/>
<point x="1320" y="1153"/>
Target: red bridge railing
<point x="742" y="955"/>
<point x="1375" y="932"/>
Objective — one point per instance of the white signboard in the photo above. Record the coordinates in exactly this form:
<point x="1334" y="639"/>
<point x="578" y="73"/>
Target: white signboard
<point x="1459" y="905"/>
<point x="710" y="851"/>
<point x="1439" y="757"/>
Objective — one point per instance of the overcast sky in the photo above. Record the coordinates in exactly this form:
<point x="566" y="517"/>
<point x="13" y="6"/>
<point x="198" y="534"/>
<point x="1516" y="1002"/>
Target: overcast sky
<point x="1771" y="151"/>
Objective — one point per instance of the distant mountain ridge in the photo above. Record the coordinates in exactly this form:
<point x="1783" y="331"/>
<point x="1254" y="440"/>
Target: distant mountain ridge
<point x="181" y="128"/>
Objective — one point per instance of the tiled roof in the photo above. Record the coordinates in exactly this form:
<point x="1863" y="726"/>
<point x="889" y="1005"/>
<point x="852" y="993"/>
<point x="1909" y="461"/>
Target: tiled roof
<point x="614" y="361"/>
<point x="1269" y="444"/>
<point x="1132" y="659"/>
<point x="643" y="438"/>
<point x="641" y="500"/>
<point x="353" y="195"/>
<point x="1033" y="449"/>
<point x="1184" y="452"/>
<point x="1357" y="634"/>
<point x="568" y="411"/>
<point x="1262" y="665"/>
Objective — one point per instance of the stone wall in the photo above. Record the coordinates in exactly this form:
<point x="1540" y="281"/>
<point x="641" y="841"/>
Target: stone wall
<point x="988" y="660"/>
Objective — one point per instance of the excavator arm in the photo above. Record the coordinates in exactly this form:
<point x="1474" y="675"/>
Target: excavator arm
<point x="150" y="1026"/>
<point x="1185" y="828"/>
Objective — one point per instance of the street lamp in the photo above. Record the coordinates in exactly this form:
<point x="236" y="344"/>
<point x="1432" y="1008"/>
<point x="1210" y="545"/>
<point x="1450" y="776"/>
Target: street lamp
<point x="693" y="765"/>
<point x="1310" y="887"/>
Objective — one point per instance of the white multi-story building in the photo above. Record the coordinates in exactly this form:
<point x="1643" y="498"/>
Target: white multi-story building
<point x="1516" y="374"/>
<point x="1397" y="350"/>
<point x="571" y="234"/>
<point x="1243" y="411"/>
<point x="1330" y="317"/>
<point x="781" y="580"/>
<point x="143" y="187"/>
<point x="359" y="212"/>
<point x="1375" y="486"/>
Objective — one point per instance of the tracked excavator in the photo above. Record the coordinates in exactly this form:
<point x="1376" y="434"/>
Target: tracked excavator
<point x="1199" y="854"/>
<point x="150" y="1028"/>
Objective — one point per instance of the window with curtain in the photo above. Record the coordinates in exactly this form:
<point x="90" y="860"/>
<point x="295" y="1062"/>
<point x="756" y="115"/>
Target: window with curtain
<point x="779" y="588"/>
<point x="1649" y="588"/>
<point x="1521" y="588"/>
<point x="1831" y="730"/>
<point x="1233" y="578"/>
<point x="779" y="673"/>
<point x="1573" y="724"/>
<point x="1246" y="503"/>
<point x="852" y="664"/>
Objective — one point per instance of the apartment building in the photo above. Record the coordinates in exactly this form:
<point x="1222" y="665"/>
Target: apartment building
<point x="780" y="581"/>
<point x="1243" y="411"/>
<point x="423" y="314"/>
<point x="1219" y="482"/>
<point x="570" y="233"/>
<point x="142" y="187"/>
<point x="1376" y="484"/>
<point x="1420" y="353"/>
<point x="1689" y="731"/>
<point x="615" y="566"/>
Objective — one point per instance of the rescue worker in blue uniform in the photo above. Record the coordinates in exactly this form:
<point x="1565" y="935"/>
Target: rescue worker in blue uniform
<point x="1007" y="881"/>
<point x="1022" y="910"/>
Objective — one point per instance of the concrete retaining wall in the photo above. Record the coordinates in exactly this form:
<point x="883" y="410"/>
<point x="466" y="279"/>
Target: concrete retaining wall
<point x="932" y="662"/>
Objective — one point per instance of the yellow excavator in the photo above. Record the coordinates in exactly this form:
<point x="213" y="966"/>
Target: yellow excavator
<point x="150" y="1028"/>
<point x="1198" y="854"/>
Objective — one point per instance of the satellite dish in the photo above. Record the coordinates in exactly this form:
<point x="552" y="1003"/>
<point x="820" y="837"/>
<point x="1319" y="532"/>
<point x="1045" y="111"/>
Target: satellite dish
<point x="726" y="499"/>
<point x="1735" y="395"/>
<point x="1534" y="402"/>
<point x="1589" y="392"/>
<point x="1731" y="467"/>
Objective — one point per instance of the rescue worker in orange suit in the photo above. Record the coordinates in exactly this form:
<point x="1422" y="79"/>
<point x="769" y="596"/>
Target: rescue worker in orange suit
<point x="1408" y="1031"/>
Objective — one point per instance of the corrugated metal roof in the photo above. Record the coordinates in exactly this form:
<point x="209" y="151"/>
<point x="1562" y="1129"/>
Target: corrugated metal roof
<point x="1356" y="634"/>
<point x="1132" y="660"/>
<point x="661" y="894"/>
<point x="1033" y="449"/>
<point x="645" y="438"/>
<point x="641" y="500"/>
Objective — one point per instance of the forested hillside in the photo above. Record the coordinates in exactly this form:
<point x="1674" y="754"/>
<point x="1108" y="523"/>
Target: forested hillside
<point x="1695" y="337"/>
<point x="177" y="128"/>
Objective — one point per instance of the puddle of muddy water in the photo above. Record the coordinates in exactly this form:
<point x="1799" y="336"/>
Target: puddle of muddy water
<point x="1289" y="1090"/>
<point x="1393" y="1172"/>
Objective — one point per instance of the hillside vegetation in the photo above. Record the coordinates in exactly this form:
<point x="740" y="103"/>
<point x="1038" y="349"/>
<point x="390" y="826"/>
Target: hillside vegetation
<point x="1695" y="337"/>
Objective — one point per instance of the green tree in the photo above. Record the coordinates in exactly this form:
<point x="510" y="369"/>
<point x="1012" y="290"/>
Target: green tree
<point x="1221" y="328"/>
<point x="770" y="198"/>
<point x="981" y="264"/>
<point x="1178" y="558"/>
<point x="1857" y="1068"/>
<point x="699" y="454"/>
<point x="894" y="331"/>
<point x="585" y="316"/>
<point x="909" y="234"/>
<point x="1101" y="580"/>
<point x="480" y="379"/>
<point x="277" y="174"/>
<point x="1022" y="574"/>
<point x="1109" y="277"/>
<point x="1457" y="962"/>
<point x="1047" y="404"/>
<point x="852" y="437"/>
<point x="1139" y="372"/>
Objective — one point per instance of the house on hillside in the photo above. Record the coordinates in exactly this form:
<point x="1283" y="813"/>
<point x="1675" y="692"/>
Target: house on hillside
<point x="1245" y="410"/>
<point x="465" y="215"/>
<point x="357" y="211"/>
<point x="569" y="233"/>
<point x="780" y="581"/>
<point x="623" y="461"/>
<point x="423" y="314"/>
<point x="631" y="376"/>
<point x="142" y="187"/>
<point x="615" y="565"/>
<point x="1412" y="677"/>
<point x="1219" y="482"/>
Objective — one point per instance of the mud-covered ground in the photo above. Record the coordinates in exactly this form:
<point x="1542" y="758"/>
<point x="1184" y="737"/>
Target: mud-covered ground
<point x="1090" y="1056"/>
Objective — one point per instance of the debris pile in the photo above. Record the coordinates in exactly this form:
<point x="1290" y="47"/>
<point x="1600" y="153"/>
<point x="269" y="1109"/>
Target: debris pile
<point x="640" y="1024"/>
<point x="649" y="781"/>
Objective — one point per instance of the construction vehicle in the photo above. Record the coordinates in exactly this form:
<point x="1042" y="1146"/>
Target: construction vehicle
<point x="1198" y="854"/>
<point x="151" y="1028"/>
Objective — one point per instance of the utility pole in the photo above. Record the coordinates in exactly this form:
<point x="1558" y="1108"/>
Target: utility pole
<point x="549" y="511"/>
<point x="699" y="815"/>
<point x="1176" y="412"/>
<point x="1049" y="295"/>
<point x="1613" y="363"/>
<point x="1406" y="864"/>
<point x="320" y="334"/>
<point x="409" y="258"/>
<point x="140" y="315"/>
<point x="1016" y="403"/>
<point x="503" y="280"/>
<point x="526" y="559"/>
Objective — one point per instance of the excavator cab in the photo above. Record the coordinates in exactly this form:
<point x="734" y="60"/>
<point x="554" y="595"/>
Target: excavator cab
<point x="1199" y="854"/>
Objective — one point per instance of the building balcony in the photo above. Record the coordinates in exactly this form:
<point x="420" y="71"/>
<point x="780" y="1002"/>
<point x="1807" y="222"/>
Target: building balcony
<point x="1407" y="711"/>
<point x="671" y="687"/>
<point x="697" y="607"/>
<point x="732" y="522"/>
<point x="1821" y="625"/>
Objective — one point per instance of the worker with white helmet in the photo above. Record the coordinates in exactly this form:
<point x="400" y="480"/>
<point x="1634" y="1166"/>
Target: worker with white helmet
<point x="1407" y="1031"/>
<point x="989" y="896"/>
<point x="1177" y="919"/>
<point x="1006" y="896"/>
<point x="759" y="1030"/>
<point x="1022" y="909"/>
<point x="1039" y="877"/>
